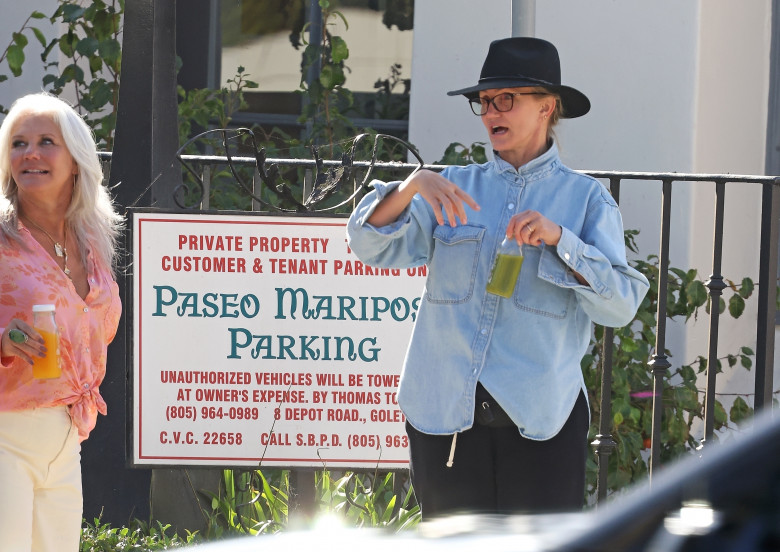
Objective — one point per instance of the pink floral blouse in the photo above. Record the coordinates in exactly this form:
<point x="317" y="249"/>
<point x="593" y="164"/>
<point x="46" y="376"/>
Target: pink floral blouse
<point x="86" y="328"/>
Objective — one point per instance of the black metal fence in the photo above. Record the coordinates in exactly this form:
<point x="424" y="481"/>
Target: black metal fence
<point x="323" y="178"/>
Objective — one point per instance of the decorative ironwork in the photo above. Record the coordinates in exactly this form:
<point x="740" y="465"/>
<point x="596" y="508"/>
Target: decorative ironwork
<point x="327" y="181"/>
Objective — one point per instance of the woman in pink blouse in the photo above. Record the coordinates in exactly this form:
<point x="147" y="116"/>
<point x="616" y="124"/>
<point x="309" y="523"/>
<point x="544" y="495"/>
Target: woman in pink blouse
<point x="58" y="231"/>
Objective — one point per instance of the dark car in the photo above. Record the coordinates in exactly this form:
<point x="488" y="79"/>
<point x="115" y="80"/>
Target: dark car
<point x="727" y="498"/>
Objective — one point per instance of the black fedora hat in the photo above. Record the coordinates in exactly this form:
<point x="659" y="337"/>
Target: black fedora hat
<point x="526" y="61"/>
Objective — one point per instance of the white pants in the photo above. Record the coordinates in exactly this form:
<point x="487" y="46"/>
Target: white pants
<point x="40" y="481"/>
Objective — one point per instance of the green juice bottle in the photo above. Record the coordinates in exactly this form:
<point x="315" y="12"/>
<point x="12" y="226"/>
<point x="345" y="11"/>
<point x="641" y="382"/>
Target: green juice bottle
<point x="506" y="268"/>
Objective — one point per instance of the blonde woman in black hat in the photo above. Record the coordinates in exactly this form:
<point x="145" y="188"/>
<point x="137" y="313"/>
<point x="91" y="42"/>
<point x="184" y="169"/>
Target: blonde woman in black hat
<point x="492" y="390"/>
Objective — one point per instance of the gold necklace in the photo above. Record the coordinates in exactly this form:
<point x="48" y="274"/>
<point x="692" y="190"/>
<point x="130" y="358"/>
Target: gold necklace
<point x="59" y="249"/>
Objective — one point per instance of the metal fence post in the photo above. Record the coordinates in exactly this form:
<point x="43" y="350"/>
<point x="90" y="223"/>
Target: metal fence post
<point x="767" y="294"/>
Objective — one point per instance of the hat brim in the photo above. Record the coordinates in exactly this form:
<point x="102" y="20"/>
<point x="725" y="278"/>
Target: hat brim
<point x="575" y="103"/>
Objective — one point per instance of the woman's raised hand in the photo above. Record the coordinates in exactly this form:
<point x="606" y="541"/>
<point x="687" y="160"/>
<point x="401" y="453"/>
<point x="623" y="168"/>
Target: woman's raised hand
<point x="443" y="195"/>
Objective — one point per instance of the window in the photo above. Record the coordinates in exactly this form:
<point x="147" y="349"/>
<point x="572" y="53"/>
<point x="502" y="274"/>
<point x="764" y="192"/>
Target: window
<point x="265" y="37"/>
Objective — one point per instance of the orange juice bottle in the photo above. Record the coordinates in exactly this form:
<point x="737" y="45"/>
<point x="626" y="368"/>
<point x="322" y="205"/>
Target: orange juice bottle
<point x="43" y="321"/>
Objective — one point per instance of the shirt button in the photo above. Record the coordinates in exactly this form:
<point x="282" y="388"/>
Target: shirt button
<point x="87" y="349"/>
<point x="566" y="256"/>
<point x="86" y="386"/>
<point x="511" y="205"/>
<point x="86" y="309"/>
<point x="483" y="332"/>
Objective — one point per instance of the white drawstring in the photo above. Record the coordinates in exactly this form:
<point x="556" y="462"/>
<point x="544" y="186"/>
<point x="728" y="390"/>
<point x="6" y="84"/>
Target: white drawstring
<point x="452" y="450"/>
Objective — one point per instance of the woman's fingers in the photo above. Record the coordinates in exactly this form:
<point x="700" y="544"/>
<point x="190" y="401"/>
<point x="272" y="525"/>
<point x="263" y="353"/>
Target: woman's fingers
<point x="22" y="340"/>
<point x="446" y="198"/>
<point x="533" y="228"/>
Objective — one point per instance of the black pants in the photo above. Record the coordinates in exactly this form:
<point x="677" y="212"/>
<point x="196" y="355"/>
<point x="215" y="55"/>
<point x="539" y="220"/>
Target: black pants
<point x="496" y="470"/>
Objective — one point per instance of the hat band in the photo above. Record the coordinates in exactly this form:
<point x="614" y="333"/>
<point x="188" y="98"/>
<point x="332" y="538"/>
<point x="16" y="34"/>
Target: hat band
<point x="516" y="77"/>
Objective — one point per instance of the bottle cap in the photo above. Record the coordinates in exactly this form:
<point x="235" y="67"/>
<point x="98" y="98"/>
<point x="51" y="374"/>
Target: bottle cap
<point x="43" y="308"/>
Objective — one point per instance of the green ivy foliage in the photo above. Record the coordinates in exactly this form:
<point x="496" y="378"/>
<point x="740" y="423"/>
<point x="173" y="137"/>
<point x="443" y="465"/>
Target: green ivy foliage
<point x="259" y="502"/>
<point x="459" y="154"/>
<point x="326" y="99"/>
<point x="632" y="387"/>
<point x="90" y="39"/>
<point x="137" y="535"/>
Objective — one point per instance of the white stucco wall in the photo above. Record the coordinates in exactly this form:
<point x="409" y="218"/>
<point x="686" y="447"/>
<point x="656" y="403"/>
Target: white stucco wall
<point x="731" y="113"/>
<point x="451" y="38"/>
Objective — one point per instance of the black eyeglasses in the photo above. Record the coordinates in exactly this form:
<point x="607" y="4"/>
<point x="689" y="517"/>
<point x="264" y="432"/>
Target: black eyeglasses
<point x="501" y="102"/>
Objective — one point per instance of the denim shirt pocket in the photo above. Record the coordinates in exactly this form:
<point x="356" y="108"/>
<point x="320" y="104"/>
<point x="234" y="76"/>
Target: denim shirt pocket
<point x="535" y="295"/>
<point x="453" y="266"/>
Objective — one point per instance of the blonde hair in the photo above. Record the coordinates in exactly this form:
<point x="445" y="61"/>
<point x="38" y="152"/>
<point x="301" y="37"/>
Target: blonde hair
<point x="91" y="216"/>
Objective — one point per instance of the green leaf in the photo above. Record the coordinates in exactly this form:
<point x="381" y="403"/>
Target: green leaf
<point x="720" y="414"/>
<point x="39" y="35"/>
<point x="110" y="51"/>
<point x="736" y="306"/>
<point x="48" y="49"/>
<point x="339" y="50"/>
<point x="343" y="19"/>
<point x="68" y="44"/>
<point x="740" y="411"/>
<point x="697" y="293"/>
<point x="72" y="12"/>
<point x="102" y="24"/>
<point x="15" y="59"/>
<point x="331" y="77"/>
<point x="478" y="153"/>
<point x="747" y="351"/>
<point x="587" y="360"/>
<point x="95" y="64"/>
<point x="679" y="272"/>
<point x="629" y="345"/>
<point x="73" y="73"/>
<point x="20" y="39"/>
<point x="87" y="46"/>
<point x="37" y="15"/>
<point x="746" y="290"/>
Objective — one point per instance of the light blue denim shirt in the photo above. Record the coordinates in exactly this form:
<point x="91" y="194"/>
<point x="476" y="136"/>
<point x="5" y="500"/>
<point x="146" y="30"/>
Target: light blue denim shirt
<point x="526" y="350"/>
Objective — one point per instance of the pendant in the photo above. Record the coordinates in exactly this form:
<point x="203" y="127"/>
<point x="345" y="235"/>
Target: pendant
<point x="59" y="250"/>
<point x="66" y="270"/>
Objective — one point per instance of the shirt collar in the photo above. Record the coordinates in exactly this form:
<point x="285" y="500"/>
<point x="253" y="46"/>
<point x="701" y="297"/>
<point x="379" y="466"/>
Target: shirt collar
<point x="538" y="164"/>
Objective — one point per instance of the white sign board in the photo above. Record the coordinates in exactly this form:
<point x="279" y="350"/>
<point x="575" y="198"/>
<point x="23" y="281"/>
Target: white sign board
<point x="262" y="340"/>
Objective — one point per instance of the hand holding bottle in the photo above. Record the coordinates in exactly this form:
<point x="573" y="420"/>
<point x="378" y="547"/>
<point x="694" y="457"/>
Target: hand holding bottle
<point x="533" y="228"/>
<point x="47" y="367"/>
